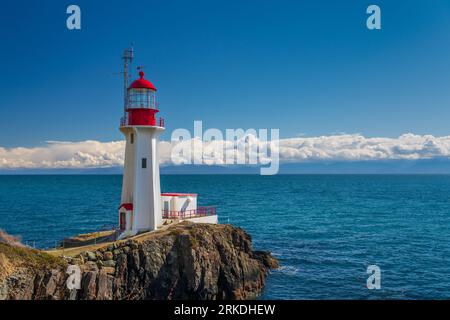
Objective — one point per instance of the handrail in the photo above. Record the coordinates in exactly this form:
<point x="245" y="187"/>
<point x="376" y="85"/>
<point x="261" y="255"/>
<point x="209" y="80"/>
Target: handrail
<point x="188" y="214"/>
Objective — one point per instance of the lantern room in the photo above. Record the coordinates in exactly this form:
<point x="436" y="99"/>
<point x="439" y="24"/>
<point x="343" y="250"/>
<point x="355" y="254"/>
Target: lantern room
<point x="141" y="94"/>
<point x="141" y="103"/>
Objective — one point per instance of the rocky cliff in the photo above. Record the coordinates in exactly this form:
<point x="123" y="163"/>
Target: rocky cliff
<point x="186" y="261"/>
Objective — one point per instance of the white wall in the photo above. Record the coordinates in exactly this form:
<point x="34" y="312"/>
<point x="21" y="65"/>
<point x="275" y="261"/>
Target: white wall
<point x="147" y="189"/>
<point x="128" y="173"/>
<point x="206" y="219"/>
<point x="180" y="203"/>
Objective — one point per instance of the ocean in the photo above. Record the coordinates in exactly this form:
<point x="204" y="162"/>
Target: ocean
<point x="325" y="229"/>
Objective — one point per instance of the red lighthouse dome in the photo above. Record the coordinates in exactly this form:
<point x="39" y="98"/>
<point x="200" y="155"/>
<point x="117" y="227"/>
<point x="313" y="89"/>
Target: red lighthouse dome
<point x="142" y="83"/>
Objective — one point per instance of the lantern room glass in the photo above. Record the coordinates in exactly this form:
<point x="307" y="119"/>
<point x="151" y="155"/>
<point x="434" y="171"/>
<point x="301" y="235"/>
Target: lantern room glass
<point x="141" y="98"/>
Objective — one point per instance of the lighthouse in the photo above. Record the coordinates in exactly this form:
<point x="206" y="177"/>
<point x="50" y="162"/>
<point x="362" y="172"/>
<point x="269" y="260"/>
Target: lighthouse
<point x="140" y="208"/>
<point x="143" y="207"/>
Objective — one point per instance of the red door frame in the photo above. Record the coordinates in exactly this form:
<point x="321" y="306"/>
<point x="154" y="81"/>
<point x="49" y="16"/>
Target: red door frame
<point x="122" y="220"/>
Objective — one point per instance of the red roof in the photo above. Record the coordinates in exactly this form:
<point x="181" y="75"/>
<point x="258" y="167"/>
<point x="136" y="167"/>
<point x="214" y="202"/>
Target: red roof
<point x="127" y="206"/>
<point x="176" y="194"/>
<point x="142" y="83"/>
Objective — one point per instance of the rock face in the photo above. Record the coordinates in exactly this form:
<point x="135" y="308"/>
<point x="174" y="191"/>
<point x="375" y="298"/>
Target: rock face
<point x="186" y="261"/>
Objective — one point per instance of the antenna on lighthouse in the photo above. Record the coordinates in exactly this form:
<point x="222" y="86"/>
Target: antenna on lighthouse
<point x="140" y="68"/>
<point x="128" y="55"/>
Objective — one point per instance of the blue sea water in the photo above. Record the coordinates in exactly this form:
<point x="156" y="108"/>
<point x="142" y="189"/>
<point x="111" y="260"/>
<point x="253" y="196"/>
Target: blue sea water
<point x="325" y="229"/>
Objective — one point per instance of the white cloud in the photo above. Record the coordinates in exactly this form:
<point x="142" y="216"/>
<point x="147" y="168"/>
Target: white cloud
<point x="83" y="154"/>
<point x="344" y="147"/>
<point x="357" y="147"/>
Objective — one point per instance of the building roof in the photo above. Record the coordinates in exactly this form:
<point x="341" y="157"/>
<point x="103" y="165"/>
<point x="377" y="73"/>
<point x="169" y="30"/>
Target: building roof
<point x="142" y="83"/>
<point x="127" y="206"/>
<point x="177" y="194"/>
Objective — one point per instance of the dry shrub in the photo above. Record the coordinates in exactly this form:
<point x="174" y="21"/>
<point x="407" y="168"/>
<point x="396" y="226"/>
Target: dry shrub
<point x="10" y="240"/>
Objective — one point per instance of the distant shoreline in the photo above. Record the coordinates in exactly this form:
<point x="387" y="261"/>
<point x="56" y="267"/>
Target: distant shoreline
<point x="402" y="167"/>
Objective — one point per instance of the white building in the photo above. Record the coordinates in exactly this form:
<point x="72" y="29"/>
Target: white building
<point x="183" y="206"/>
<point x="143" y="208"/>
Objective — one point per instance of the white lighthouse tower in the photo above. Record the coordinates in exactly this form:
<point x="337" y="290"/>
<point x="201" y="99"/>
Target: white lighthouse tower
<point x="140" y="208"/>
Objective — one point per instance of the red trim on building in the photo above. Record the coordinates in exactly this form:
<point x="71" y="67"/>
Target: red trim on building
<point x="127" y="206"/>
<point x="142" y="83"/>
<point x="176" y="194"/>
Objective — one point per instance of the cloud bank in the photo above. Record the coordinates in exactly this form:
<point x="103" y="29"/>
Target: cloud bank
<point x="59" y="155"/>
<point x="348" y="147"/>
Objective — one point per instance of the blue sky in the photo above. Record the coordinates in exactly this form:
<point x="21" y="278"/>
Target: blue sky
<point x="306" y="67"/>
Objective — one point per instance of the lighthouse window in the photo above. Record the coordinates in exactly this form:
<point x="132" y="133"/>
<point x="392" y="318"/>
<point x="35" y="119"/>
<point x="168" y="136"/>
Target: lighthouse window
<point x="144" y="163"/>
<point x="132" y="138"/>
<point x="152" y="100"/>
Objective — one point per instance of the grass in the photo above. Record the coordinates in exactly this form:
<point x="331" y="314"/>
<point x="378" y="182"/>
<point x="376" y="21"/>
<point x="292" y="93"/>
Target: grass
<point x="72" y="252"/>
<point x="92" y="235"/>
<point x="176" y="228"/>
<point x="26" y="257"/>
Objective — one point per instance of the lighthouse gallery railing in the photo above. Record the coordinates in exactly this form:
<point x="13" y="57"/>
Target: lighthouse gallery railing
<point x="187" y="214"/>
<point x="124" y="122"/>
